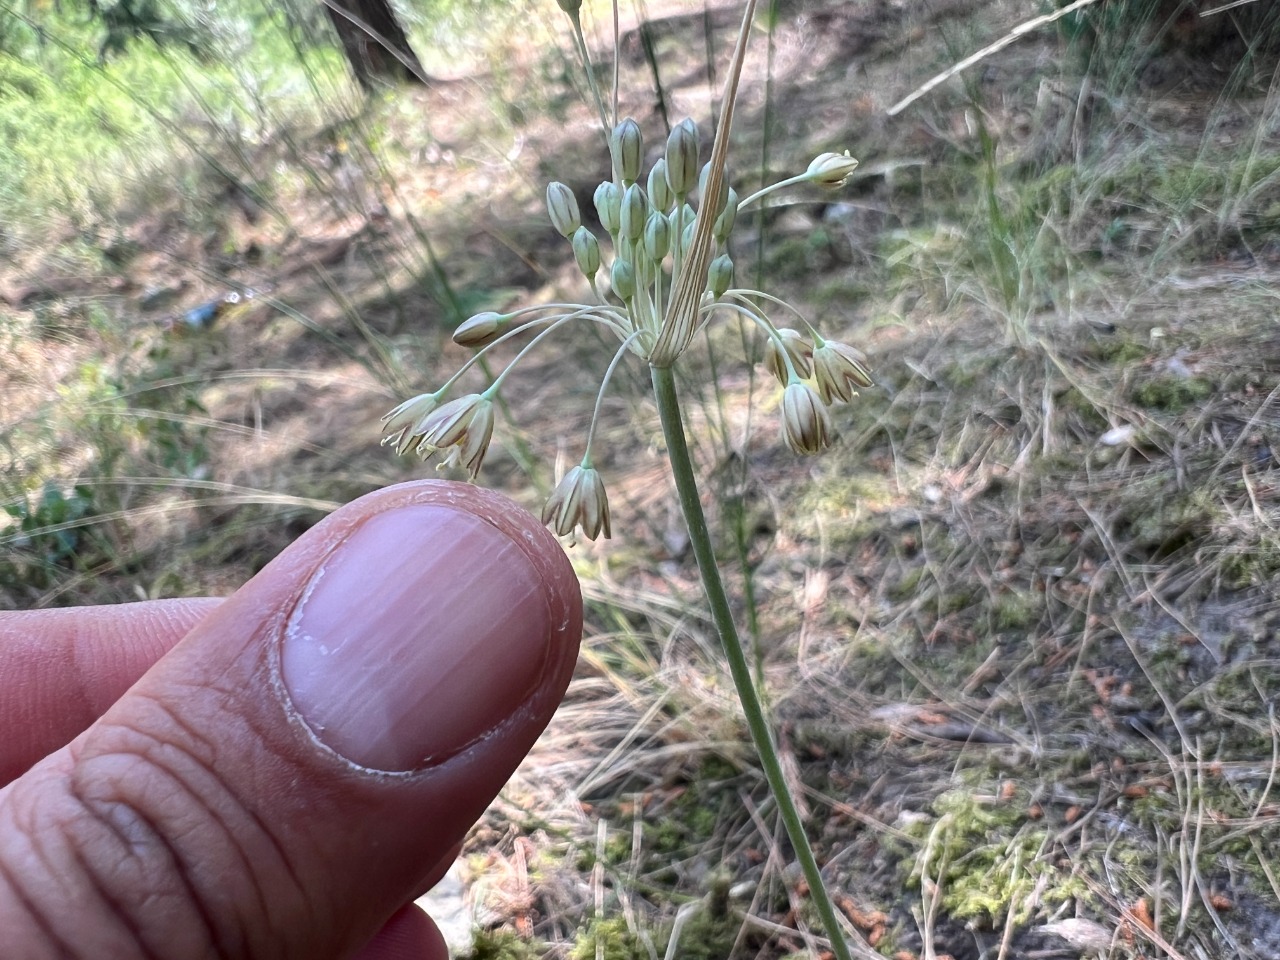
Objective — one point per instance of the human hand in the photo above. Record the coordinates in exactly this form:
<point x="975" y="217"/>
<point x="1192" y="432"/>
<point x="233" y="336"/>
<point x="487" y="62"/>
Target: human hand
<point x="278" y="774"/>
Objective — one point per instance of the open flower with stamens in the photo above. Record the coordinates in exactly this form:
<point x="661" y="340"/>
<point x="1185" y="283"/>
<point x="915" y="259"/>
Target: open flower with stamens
<point x="579" y="500"/>
<point x="402" y="427"/>
<point x="806" y="427"/>
<point x="466" y="426"/>
<point x="837" y="369"/>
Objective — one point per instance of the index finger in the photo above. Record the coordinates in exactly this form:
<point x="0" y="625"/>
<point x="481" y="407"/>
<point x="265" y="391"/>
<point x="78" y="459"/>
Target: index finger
<point x="61" y="669"/>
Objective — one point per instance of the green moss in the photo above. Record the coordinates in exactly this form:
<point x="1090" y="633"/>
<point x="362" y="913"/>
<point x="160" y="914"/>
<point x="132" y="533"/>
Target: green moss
<point x="1172" y="394"/>
<point x="1119" y="350"/>
<point x="987" y="860"/>
<point x="707" y="935"/>
<point x="954" y="601"/>
<point x="608" y="940"/>
<point x="908" y="585"/>
<point x="1253" y="564"/>
<point x="1016" y="610"/>
<point x="502" y="945"/>
<point x="1161" y="526"/>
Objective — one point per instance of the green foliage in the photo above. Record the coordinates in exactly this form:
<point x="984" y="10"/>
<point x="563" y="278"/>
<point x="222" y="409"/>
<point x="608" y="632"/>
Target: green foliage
<point x="80" y="136"/>
<point x="502" y="945"/>
<point x="609" y="940"/>
<point x="47" y="536"/>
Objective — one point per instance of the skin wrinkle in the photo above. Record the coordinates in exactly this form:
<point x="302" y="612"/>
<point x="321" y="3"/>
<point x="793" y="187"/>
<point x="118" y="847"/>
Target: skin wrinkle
<point x="113" y="903"/>
<point x="212" y="812"/>
<point x="114" y="816"/>
<point x="165" y="759"/>
<point x="74" y="883"/>
<point x="42" y="923"/>
<point x="206" y="762"/>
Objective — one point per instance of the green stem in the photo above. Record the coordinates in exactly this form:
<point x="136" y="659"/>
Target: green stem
<point x="664" y="389"/>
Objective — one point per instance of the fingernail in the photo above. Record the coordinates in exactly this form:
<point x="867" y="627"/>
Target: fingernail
<point x="420" y="633"/>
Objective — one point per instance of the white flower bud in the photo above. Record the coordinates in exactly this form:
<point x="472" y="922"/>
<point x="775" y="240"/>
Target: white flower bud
<point x="623" y="277"/>
<point x="831" y="169"/>
<point x="586" y="251"/>
<point x="720" y="275"/>
<point x="657" y="236"/>
<point x="479" y="330"/>
<point x="562" y="205"/>
<point x="659" y="190"/>
<point x="608" y="199"/>
<point x="806" y="428"/>
<point x="724" y="223"/>
<point x="634" y="211"/>
<point x="682" y="158"/>
<point x="625" y="146"/>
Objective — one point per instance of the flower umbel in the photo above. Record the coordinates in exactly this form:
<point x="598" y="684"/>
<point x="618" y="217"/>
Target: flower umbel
<point x="666" y="259"/>
<point x="579" y="500"/>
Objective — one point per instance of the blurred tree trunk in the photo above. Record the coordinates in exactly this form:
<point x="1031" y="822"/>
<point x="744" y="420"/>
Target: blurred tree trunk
<point x="374" y="42"/>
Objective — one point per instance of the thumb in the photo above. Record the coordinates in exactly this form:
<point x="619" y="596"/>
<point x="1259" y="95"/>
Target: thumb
<point x="298" y="766"/>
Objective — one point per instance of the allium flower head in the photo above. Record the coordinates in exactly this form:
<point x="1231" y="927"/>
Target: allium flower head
<point x="668" y="275"/>
<point x="837" y="369"/>
<point x="578" y="500"/>
<point x="806" y="428"/>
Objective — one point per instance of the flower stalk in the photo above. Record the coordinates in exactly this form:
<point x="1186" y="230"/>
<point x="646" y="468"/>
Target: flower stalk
<point x="664" y="391"/>
<point x="661" y="270"/>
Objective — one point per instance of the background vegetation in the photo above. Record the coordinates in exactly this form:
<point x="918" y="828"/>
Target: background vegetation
<point x="1019" y="627"/>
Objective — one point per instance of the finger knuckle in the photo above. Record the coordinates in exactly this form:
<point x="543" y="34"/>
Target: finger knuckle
<point x="143" y="832"/>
